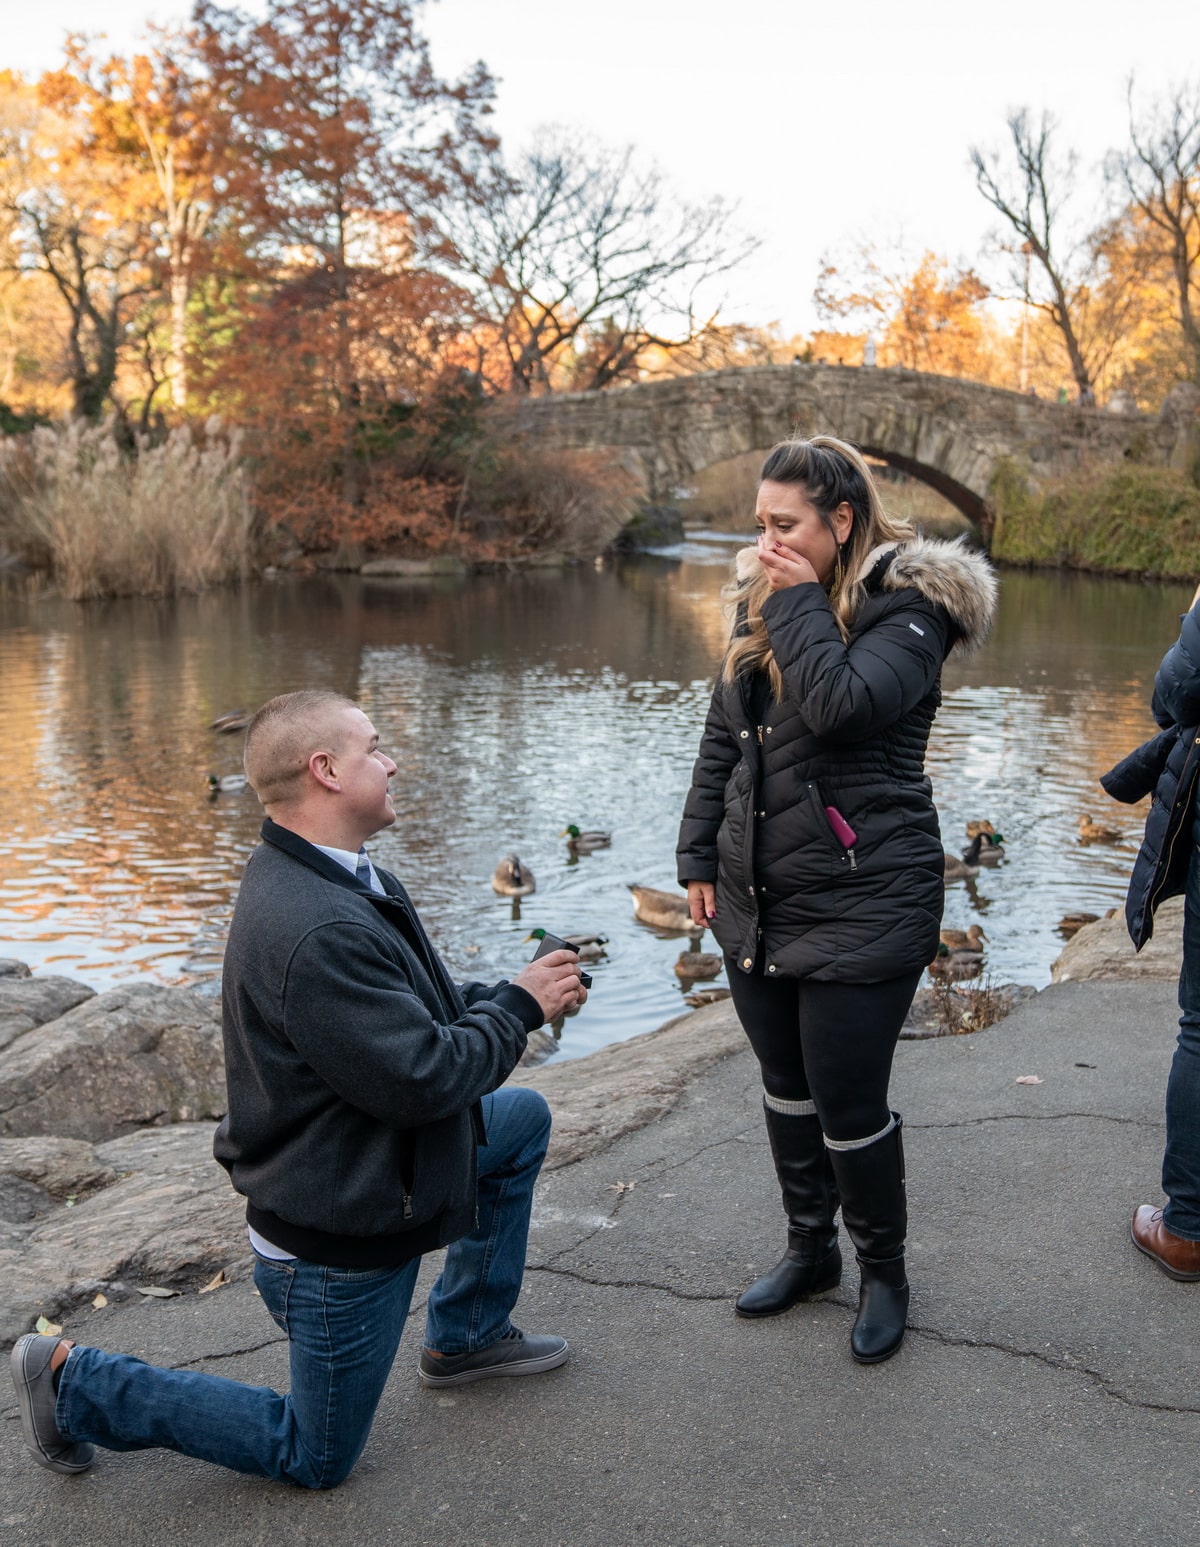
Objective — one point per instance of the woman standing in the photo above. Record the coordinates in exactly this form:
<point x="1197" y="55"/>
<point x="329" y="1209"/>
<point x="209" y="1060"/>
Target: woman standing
<point x="810" y="846"/>
<point x="1168" y="863"/>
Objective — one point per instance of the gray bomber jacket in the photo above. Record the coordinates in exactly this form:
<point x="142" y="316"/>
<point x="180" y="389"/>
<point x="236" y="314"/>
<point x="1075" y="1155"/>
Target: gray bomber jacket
<point x="355" y="1066"/>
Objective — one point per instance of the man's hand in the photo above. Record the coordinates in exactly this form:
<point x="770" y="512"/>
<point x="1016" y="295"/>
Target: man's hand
<point x="553" y="980"/>
<point x="702" y="902"/>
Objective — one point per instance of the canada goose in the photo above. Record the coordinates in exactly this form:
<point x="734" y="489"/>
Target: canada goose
<point x="589" y="947"/>
<point x="695" y="965"/>
<point x="584" y="843"/>
<point x="227" y="784"/>
<point x="512" y="879"/>
<point x="664" y="910"/>
<point x="1092" y="832"/>
<point x="964" y="869"/>
<point x="960" y="940"/>
<point x="235" y="720"/>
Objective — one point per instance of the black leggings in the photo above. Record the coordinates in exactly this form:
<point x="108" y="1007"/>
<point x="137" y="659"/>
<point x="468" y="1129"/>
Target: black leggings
<point x="831" y="1043"/>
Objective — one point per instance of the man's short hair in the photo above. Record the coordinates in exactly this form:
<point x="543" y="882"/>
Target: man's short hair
<point x="284" y="734"/>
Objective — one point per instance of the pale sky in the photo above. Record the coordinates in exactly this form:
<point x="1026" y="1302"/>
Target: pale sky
<point x="825" y="122"/>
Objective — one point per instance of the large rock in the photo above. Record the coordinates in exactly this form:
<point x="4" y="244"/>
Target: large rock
<point x="1104" y="950"/>
<point x="134" y="1056"/>
<point x="10" y="967"/>
<point x="168" y="1219"/>
<point x="27" y="1002"/>
<point x="167" y="1216"/>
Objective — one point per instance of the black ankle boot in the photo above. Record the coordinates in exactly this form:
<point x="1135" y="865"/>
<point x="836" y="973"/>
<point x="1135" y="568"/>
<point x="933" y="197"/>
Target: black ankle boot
<point x="874" y="1211"/>
<point x="812" y="1263"/>
<point x="882" y="1310"/>
<point x="793" y="1278"/>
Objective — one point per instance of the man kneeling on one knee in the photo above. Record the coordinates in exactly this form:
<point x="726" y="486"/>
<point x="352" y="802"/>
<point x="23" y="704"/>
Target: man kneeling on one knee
<point x="366" y="1126"/>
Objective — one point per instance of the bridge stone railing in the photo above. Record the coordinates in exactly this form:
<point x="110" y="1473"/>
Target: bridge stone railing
<point x="951" y="434"/>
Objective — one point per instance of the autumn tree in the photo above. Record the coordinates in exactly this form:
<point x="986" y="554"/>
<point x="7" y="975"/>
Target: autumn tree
<point x="337" y="129"/>
<point x="1086" y="303"/>
<point x="578" y="260"/>
<point x="1160" y="172"/>
<point x="927" y="318"/>
<point x="154" y="111"/>
<point x="79" y="216"/>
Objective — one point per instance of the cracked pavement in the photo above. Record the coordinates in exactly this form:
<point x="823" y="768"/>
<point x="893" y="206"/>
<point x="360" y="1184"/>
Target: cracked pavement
<point x="1047" y="1391"/>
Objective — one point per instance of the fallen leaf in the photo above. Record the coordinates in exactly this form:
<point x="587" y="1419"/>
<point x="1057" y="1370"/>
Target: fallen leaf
<point x="1028" y="1079"/>
<point x="620" y="1187"/>
<point x="214" y="1283"/>
<point x="159" y="1294"/>
<point x="99" y="1302"/>
<point x="47" y="1328"/>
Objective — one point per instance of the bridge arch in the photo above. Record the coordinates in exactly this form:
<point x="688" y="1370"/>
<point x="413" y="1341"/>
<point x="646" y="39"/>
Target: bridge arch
<point x="950" y="434"/>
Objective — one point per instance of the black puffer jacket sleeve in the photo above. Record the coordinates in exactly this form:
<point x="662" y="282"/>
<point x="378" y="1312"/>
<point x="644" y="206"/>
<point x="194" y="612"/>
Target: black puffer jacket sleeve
<point x="704" y="808"/>
<point x="851" y="692"/>
<point x="1177" y="685"/>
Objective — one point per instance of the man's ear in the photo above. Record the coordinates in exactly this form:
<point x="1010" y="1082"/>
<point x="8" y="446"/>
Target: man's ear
<point x="324" y="771"/>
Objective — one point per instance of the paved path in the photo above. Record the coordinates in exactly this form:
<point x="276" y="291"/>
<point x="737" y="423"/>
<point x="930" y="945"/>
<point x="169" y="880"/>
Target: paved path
<point x="1048" y="1390"/>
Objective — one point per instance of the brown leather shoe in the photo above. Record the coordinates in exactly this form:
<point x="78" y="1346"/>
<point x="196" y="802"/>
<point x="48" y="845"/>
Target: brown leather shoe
<point x="1174" y="1255"/>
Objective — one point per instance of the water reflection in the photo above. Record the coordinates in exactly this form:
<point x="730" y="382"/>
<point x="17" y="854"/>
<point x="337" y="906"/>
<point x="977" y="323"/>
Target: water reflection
<point x="514" y="704"/>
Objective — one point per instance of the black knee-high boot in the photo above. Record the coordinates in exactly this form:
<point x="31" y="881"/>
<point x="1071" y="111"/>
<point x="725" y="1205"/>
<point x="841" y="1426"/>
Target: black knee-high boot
<point x="812" y="1262"/>
<point x="870" y="1180"/>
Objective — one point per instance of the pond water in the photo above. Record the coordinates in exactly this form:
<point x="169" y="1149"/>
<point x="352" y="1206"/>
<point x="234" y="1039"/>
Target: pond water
<point x="515" y="704"/>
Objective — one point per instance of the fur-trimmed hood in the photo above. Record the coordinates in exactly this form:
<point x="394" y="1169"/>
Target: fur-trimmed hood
<point x="950" y="574"/>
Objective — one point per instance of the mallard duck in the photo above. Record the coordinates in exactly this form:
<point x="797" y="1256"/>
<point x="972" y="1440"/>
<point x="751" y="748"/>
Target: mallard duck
<point x="702" y="996"/>
<point x="960" y="940"/>
<point x="1092" y="832"/>
<point x="590" y="947"/>
<point x="584" y="843"/>
<point x="956" y="964"/>
<point x="1071" y="923"/>
<point x="696" y="965"/>
<point x="991" y="851"/>
<point x="975" y="828"/>
<point x="227" y="784"/>
<point x="963" y="869"/>
<point x="512" y="879"/>
<point x="235" y="720"/>
<point x="664" y="910"/>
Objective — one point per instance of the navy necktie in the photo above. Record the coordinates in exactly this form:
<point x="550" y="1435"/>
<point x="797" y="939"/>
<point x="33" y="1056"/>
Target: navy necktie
<point x="363" y="869"/>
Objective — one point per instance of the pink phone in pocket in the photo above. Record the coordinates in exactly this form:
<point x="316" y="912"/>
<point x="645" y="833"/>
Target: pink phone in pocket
<point x="842" y="830"/>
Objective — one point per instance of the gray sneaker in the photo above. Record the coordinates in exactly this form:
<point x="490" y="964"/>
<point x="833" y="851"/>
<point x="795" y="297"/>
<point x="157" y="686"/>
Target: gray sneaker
<point x="516" y="1353"/>
<point x="30" y="1366"/>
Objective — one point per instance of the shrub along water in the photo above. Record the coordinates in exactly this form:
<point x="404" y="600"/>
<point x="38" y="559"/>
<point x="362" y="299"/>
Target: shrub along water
<point x="1127" y="520"/>
<point x="152" y="521"/>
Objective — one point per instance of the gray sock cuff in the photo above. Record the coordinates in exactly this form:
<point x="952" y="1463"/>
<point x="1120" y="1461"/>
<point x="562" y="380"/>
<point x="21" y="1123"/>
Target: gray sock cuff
<point x="861" y="1144"/>
<point x="789" y="1108"/>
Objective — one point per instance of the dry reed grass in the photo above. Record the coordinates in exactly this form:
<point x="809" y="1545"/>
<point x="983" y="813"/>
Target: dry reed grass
<point x="163" y="519"/>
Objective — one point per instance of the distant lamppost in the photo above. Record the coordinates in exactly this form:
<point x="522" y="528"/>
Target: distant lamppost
<point x="1027" y="249"/>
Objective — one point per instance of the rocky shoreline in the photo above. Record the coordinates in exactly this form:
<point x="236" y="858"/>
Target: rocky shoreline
<point x="108" y="1187"/>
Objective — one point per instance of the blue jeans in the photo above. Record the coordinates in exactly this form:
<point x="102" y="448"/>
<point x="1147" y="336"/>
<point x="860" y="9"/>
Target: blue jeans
<point x="343" y="1328"/>
<point x="1181" y="1158"/>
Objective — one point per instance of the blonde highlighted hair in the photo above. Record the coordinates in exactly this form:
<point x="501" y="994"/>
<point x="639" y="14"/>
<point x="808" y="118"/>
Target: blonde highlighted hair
<point x="830" y="473"/>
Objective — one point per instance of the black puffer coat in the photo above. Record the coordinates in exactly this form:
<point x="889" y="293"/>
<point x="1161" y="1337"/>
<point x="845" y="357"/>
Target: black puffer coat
<point x="851" y="734"/>
<point x="1168" y="764"/>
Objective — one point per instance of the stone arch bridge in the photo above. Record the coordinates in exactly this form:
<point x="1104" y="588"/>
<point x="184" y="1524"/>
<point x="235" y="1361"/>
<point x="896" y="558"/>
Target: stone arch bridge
<point x="951" y="434"/>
